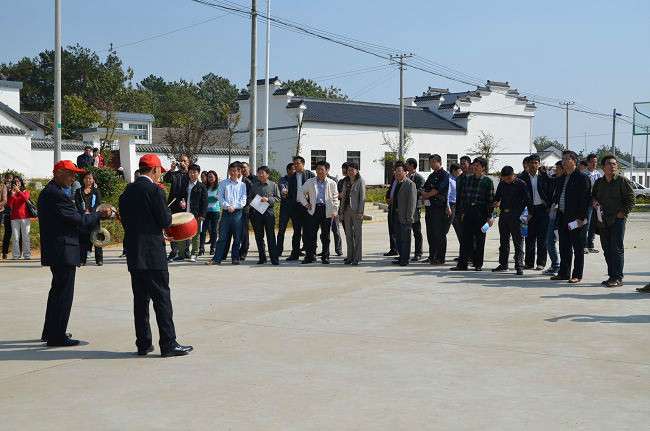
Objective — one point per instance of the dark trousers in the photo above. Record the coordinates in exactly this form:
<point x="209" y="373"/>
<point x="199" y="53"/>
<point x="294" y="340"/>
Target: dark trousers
<point x="282" y="226"/>
<point x="336" y="233"/>
<point x="244" y="242"/>
<point x="298" y="219"/>
<point x="230" y="227"/>
<point x="456" y="222"/>
<point x="417" y="232"/>
<point x="174" y="247"/>
<point x="6" y="238"/>
<point x="85" y="246"/>
<point x="437" y="226"/>
<point x="571" y="246"/>
<point x="537" y="227"/>
<point x="472" y="245"/>
<point x="403" y="239"/>
<point x="510" y="226"/>
<point x="611" y="240"/>
<point x="314" y="222"/>
<point x="590" y="237"/>
<point x="392" y="237"/>
<point x="210" y="224"/>
<point x="59" y="303"/>
<point x="152" y="285"/>
<point x="261" y="223"/>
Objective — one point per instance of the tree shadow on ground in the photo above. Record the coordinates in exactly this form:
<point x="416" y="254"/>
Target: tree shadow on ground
<point x="36" y="350"/>
<point x="588" y="318"/>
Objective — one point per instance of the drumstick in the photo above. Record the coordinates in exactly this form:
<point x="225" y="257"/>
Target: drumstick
<point x="170" y="204"/>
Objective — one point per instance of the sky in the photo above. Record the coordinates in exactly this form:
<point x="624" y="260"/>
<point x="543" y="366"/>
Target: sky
<point x="596" y="53"/>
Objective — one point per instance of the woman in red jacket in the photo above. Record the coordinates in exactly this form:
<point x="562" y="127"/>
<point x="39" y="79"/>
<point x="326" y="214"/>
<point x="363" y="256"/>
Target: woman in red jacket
<point x="20" y="224"/>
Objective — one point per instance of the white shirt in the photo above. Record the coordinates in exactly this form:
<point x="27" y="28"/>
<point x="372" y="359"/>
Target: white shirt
<point x="190" y="186"/>
<point x="593" y="176"/>
<point x="298" y="183"/>
<point x="537" y="200"/>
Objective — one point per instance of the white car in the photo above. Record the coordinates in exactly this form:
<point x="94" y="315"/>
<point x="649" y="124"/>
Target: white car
<point x="640" y="191"/>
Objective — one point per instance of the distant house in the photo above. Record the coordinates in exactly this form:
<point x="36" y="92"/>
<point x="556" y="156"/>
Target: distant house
<point x="438" y="122"/>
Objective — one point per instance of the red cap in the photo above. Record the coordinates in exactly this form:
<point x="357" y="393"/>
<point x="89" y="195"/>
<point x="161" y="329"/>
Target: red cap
<point x="67" y="165"/>
<point x="151" y="161"/>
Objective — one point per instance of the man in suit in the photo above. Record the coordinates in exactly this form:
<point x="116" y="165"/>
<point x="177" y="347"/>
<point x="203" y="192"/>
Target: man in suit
<point x="403" y="207"/>
<point x="418" y="180"/>
<point x="320" y="198"/>
<point x="268" y="192"/>
<point x="86" y="158"/>
<point x="434" y="194"/>
<point x="196" y="203"/>
<point x="539" y="191"/>
<point x="283" y="185"/>
<point x="298" y="213"/>
<point x="144" y="217"/>
<point x="59" y="221"/>
<point x="573" y="200"/>
<point x="392" y="237"/>
<point x="177" y="199"/>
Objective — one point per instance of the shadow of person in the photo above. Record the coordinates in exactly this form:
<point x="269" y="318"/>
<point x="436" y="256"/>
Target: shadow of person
<point x="588" y="318"/>
<point x="36" y="350"/>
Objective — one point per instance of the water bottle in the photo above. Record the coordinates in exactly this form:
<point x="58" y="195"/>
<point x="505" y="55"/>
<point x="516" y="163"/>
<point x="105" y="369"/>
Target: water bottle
<point x="524" y="223"/>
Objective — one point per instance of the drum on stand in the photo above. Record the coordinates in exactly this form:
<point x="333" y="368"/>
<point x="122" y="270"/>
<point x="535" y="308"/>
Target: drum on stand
<point x="183" y="226"/>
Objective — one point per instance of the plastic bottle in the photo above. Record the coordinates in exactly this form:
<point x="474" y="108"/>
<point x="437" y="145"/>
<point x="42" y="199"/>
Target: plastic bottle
<point x="486" y="226"/>
<point x="524" y="223"/>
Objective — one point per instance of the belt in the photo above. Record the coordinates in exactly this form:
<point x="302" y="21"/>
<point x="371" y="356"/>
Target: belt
<point x="505" y="210"/>
<point x="540" y="205"/>
<point x="452" y="204"/>
<point x="320" y="205"/>
<point x="473" y="204"/>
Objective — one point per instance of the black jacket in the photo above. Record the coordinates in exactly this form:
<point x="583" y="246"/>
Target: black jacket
<point x="144" y="215"/>
<point x="544" y="187"/>
<point x="199" y="200"/>
<point x="81" y="204"/>
<point x="293" y="186"/>
<point x="84" y="161"/>
<point x="59" y="221"/>
<point x="178" y="189"/>
<point x="577" y="198"/>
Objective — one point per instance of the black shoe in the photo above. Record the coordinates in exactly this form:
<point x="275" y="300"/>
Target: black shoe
<point x="415" y="258"/>
<point x="172" y="256"/>
<point x="275" y="261"/>
<point x="320" y="254"/>
<point x="302" y="253"/>
<point x="520" y="271"/>
<point x="529" y="267"/>
<point x="145" y="351"/>
<point x="478" y="268"/>
<point x="292" y="257"/>
<point x="458" y="268"/>
<point x="391" y="253"/>
<point x="123" y="254"/>
<point x="404" y="264"/>
<point x="325" y="261"/>
<point x="500" y="268"/>
<point x="307" y="261"/>
<point x="201" y="252"/>
<point x="395" y="262"/>
<point x="100" y="263"/>
<point x="177" y="350"/>
<point x="339" y="252"/>
<point x="261" y="261"/>
<point x="456" y="259"/>
<point x="242" y="257"/>
<point x="4" y="255"/>
<point x="63" y="343"/>
<point x="644" y="289"/>
<point x="67" y="335"/>
<point x="235" y="262"/>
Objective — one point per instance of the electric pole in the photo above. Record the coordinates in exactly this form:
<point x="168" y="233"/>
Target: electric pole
<point x="401" y="57"/>
<point x="252" y="132"/>
<point x="57" y="80"/>
<point x="267" y="86"/>
<point x="566" y="104"/>
<point x="645" y="178"/>
<point x="614" y="133"/>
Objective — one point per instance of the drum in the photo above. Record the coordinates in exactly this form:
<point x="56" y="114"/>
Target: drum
<point x="100" y="237"/>
<point x="183" y="226"/>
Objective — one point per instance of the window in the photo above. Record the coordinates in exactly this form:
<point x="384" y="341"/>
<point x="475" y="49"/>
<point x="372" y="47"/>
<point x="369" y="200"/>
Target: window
<point x="354" y="157"/>
<point x="451" y="158"/>
<point x="120" y="126"/>
<point x="423" y="162"/>
<point x="140" y="128"/>
<point x="317" y="156"/>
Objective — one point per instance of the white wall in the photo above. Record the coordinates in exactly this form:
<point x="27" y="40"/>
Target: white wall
<point x="42" y="161"/>
<point x="10" y="96"/>
<point x="15" y="154"/>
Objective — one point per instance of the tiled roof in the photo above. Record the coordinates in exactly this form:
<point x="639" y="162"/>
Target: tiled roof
<point x="522" y="99"/>
<point x="18" y="116"/>
<point x="66" y="144"/>
<point x="513" y="92"/>
<point x="11" y="84"/>
<point x="243" y="97"/>
<point x="498" y="84"/>
<point x="133" y="116"/>
<point x="447" y="106"/>
<point x="9" y="130"/>
<point x="426" y="98"/>
<point x="465" y="99"/>
<point x="485" y="89"/>
<point x="281" y="91"/>
<point x="164" y="149"/>
<point x="216" y="137"/>
<point x="461" y="115"/>
<point x="294" y="104"/>
<point x="274" y="80"/>
<point x="373" y="114"/>
<point x="437" y="90"/>
<point x="531" y="106"/>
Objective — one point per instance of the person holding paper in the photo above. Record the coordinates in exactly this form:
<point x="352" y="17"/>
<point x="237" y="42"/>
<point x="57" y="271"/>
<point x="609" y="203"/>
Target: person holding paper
<point x="262" y="196"/>
<point x="572" y="197"/>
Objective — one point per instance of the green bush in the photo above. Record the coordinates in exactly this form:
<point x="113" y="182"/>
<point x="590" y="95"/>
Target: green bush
<point x="275" y="176"/>
<point x="15" y="174"/>
<point x="110" y="184"/>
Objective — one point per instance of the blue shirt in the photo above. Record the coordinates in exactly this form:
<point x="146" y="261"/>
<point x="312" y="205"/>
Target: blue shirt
<point x="232" y="193"/>
<point x="320" y="199"/>
<point x="392" y="189"/>
<point x="451" y="194"/>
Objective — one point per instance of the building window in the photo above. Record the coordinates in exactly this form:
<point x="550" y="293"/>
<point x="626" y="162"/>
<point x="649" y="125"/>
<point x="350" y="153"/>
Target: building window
<point x="423" y="162"/>
<point x="317" y="156"/>
<point x="451" y="158"/>
<point x="140" y="128"/>
<point x="120" y="126"/>
<point x="354" y="157"/>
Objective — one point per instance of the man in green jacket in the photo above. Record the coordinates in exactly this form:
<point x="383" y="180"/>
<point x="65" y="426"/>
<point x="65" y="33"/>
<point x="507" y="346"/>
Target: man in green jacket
<point x="613" y="199"/>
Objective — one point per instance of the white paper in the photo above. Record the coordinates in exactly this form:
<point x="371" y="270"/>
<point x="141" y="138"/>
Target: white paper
<point x="599" y="212"/>
<point x="260" y="206"/>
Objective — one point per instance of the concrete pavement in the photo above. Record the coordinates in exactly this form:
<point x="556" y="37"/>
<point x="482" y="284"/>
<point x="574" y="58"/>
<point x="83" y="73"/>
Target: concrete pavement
<point x="337" y="347"/>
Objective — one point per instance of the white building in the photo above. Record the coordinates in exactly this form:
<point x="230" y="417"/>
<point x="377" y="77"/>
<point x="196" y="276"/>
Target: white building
<point x="441" y="122"/>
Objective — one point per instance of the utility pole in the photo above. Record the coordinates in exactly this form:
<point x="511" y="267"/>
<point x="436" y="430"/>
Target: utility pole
<point x="252" y="132"/>
<point x="645" y="175"/>
<point x="57" y="80"/>
<point x="268" y="86"/>
<point x="566" y="104"/>
<point x="632" y="158"/>
<point x="585" y="144"/>
<point x="401" y="57"/>
<point x="614" y="133"/>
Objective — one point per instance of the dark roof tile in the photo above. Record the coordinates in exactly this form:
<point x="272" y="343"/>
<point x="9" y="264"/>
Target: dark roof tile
<point x="18" y="116"/>
<point x="243" y="97"/>
<point x="9" y="130"/>
<point x="427" y="98"/>
<point x="461" y="115"/>
<point x="165" y="149"/>
<point x="445" y="106"/>
<point x="498" y="84"/>
<point x="294" y="104"/>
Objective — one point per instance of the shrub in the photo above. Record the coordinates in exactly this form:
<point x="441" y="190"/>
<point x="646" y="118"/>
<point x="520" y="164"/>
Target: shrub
<point x="15" y="173"/>
<point x="275" y="176"/>
<point x="110" y="184"/>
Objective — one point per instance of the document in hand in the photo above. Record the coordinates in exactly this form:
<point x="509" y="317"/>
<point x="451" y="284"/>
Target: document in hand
<point x="260" y="206"/>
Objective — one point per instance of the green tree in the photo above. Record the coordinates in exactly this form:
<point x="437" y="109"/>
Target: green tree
<point x="309" y="88"/>
<point x="76" y="114"/>
<point x="392" y="155"/>
<point x="188" y="137"/>
<point x="217" y="91"/>
<point x="486" y="146"/>
<point x="180" y="99"/>
<point x="233" y="119"/>
<point x="542" y="142"/>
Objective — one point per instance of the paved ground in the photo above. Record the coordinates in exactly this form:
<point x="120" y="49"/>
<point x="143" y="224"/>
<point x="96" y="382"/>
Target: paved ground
<point x="337" y="347"/>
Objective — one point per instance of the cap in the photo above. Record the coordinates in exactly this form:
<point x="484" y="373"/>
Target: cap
<point x="67" y="165"/>
<point x="150" y="161"/>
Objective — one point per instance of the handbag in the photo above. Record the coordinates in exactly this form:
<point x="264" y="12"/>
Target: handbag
<point x="31" y="208"/>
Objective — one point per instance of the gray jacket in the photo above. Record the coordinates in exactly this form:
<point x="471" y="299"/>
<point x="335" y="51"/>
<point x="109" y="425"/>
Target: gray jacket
<point x="357" y="195"/>
<point x="407" y="201"/>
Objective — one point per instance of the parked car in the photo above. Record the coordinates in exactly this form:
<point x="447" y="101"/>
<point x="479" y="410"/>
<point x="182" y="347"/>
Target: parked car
<point x="640" y="191"/>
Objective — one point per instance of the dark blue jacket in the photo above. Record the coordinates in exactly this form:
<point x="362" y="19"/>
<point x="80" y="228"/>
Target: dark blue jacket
<point x="144" y="215"/>
<point x="59" y="221"/>
<point x="577" y="197"/>
<point x="293" y="186"/>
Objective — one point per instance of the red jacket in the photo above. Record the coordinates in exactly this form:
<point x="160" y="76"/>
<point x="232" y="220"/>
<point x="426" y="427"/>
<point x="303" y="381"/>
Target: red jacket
<point x="17" y="204"/>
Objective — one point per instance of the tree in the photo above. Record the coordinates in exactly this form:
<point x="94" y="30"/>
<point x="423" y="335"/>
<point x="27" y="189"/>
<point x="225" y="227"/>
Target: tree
<point x="180" y="99"/>
<point x="217" y="91"/>
<point x="76" y="114"/>
<point x="486" y="147"/>
<point x="308" y="88"/>
<point x="188" y="138"/>
<point x="392" y="144"/>
<point x="233" y="119"/>
<point x="542" y="142"/>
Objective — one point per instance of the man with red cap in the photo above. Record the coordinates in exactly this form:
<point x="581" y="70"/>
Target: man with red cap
<point x="145" y="215"/>
<point x="59" y="219"/>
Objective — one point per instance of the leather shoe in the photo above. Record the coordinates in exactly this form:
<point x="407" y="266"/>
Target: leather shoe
<point x="520" y="271"/>
<point x="339" y="252"/>
<point x="275" y="262"/>
<point x="307" y="261"/>
<point x="478" y="268"/>
<point x="145" y="351"/>
<point x="558" y="277"/>
<point x="67" y="335"/>
<point x="176" y="350"/>
<point x="390" y="253"/>
<point x="261" y="261"/>
<point x="574" y="280"/>
<point x="325" y="261"/>
<point x="614" y="283"/>
<point x="644" y="289"/>
<point x="500" y="268"/>
<point x="292" y="257"/>
<point x="528" y="267"/>
<point x="415" y="259"/>
<point x="458" y="268"/>
<point x="235" y="262"/>
<point x="63" y="343"/>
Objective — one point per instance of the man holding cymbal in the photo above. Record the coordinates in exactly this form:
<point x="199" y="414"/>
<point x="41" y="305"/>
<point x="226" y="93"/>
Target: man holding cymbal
<point x="144" y="216"/>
